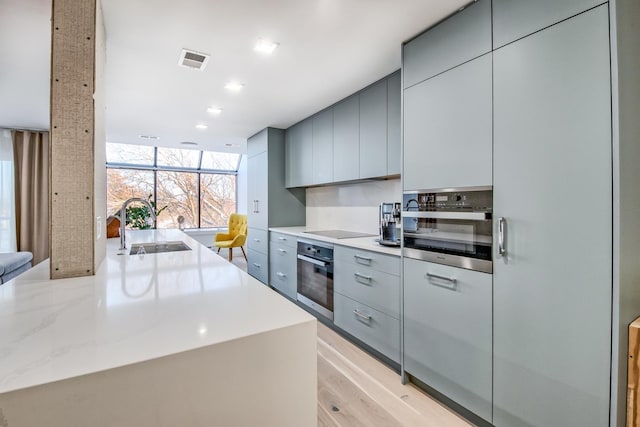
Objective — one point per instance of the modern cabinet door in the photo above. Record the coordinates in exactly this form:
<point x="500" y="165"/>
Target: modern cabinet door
<point x="393" y="123"/>
<point x="447" y="129"/>
<point x="346" y="139"/>
<point x="373" y="130"/>
<point x="257" y="190"/>
<point x="322" y="124"/>
<point x="553" y="187"/>
<point x="299" y="149"/>
<point x="515" y="19"/>
<point x="464" y="36"/>
<point x="447" y="332"/>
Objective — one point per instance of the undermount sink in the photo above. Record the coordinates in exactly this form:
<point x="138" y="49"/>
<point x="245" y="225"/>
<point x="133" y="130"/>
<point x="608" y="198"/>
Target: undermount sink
<point x="157" y="247"/>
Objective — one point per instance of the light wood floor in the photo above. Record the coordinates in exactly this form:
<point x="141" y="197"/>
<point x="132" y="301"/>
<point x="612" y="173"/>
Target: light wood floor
<point x="355" y="389"/>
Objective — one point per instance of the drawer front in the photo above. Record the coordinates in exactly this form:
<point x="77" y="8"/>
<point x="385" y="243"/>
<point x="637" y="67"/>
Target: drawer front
<point x="257" y="265"/>
<point x="283" y="269"/>
<point x="372" y="327"/>
<point x="371" y="287"/>
<point x="283" y="239"/>
<point x="448" y="332"/>
<point x="386" y="263"/>
<point x="258" y="240"/>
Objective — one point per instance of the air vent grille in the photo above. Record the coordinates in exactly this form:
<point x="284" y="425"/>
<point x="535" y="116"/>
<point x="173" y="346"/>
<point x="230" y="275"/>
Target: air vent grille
<point x="192" y="59"/>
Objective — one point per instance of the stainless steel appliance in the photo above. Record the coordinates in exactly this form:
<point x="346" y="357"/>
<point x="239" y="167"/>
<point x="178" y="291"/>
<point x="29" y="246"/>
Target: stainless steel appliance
<point x="315" y="276"/>
<point x="389" y="224"/>
<point x="449" y="226"/>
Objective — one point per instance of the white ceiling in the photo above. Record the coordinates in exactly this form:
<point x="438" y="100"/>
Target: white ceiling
<point x="328" y="50"/>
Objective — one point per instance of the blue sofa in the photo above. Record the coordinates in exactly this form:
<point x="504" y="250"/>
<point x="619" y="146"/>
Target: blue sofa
<point x="14" y="263"/>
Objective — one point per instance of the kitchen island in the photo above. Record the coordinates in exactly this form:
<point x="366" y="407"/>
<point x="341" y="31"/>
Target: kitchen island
<point x="176" y="338"/>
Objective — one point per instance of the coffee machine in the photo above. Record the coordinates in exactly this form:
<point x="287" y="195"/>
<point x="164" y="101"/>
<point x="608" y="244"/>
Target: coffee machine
<point x="389" y="224"/>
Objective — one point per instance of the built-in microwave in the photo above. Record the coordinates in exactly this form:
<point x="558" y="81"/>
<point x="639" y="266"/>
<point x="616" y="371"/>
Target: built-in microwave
<point x="449" y="226"/>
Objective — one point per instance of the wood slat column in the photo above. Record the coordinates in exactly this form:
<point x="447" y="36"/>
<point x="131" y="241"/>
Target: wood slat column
<point x="71" y="201"/>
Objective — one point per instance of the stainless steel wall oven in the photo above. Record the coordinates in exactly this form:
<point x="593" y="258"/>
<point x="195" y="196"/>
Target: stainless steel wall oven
<point x="315" y="276"/>
<point x="449" y="226"/>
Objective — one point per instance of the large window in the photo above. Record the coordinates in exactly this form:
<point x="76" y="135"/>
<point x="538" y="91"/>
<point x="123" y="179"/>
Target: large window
<point x="199" y="186"/>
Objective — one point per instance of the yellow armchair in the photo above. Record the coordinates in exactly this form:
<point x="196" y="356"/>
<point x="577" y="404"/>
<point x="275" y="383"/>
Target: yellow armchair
<point x="235" y="237"/>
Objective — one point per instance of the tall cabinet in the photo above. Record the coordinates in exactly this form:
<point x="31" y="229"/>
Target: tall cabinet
<point x="271" y="204"/>
<point x="560" y="90"/>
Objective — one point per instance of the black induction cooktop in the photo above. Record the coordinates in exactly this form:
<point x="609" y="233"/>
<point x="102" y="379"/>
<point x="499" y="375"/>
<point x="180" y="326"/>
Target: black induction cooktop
<point x="339" y="234"/>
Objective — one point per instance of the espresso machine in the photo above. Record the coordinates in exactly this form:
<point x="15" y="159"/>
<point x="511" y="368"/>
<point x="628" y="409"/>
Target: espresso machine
<point x="389" y="224"/>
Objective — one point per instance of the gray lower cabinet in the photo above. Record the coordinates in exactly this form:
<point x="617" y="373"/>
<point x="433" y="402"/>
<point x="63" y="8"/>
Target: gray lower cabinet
<point x="283" y="264"/>
<point x="448" y="332"/>
<point x="322" y="152"/>
<point x="373" y="130"/>
<point x="394" y="105"/>
<point x="258" y="265"/>
<point x="448" y="129"/>
<point x="462" y="37"/>
<point x="515" y="19"/>
<point x="270" y="203"/>
<point x="299" y="158"/>
<point x="374" y="328"/>
<point x="367" y="298"/>
<point x="553" y="287"/>
<point x="346" y="139"/>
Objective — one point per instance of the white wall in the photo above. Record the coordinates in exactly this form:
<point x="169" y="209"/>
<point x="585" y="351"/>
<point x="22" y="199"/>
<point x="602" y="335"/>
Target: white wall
<point x="352" y="207"/>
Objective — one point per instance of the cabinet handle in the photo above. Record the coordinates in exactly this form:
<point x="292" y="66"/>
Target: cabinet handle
<point x="256" y="265"/>
<point x="451" y="280"/>
<point x="362" y="315"/>
<point x="362" y="276"/>
<point x="257" y="206"/>
<point x="279" y="274"/>
<point x="363" y="258"/>
<point x="256" y="240"/>
<point x="282" y="238"/>
<point x="502" y="222"/>
<point x="283" y="251"/>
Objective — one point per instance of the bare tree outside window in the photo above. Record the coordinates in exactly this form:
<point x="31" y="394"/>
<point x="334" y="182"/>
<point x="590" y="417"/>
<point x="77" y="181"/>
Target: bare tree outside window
<point x="203" y="198"/>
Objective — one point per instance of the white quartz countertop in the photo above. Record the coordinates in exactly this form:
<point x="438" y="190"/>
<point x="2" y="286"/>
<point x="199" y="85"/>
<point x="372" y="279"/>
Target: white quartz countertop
<point x="365" y="243"/>
<point x="136" y="308"/>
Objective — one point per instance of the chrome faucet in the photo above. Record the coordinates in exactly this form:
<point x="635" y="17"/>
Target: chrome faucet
<point x="123" y="217"/>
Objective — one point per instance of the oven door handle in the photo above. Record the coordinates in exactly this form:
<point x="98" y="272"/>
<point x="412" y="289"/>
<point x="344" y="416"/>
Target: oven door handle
<point x="477" y="216"/>
<point x="312" y="261"/>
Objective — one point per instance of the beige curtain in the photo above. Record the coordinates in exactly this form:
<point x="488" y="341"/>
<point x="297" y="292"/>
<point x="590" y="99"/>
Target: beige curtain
<point x="31" y="165"/>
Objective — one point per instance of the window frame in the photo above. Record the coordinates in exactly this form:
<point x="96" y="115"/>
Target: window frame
<point x="198" y="170"/>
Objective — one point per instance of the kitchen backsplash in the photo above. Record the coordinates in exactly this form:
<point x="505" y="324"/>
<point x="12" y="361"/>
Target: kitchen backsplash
<point x="351" y="207"/>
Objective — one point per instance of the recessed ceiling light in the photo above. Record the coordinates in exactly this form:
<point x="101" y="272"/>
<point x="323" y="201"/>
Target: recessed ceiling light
<point x="188" y="143"/>
<point x="234" y="86"/>
<point x="214" y="110"/>
<point x="152" y="137"/>
<point x="266" y="46"/>
<point x="201" y="126"/>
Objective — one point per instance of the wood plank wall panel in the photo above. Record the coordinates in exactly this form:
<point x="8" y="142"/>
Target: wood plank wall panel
<point x="72" y="138"/>
<point x="633" y="375"/>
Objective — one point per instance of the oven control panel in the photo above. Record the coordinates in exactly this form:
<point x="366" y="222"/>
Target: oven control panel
<point x="448" y="200"/>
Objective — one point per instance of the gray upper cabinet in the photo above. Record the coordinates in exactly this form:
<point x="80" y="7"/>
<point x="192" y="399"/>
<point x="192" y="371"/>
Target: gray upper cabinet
<point x="322" y="152"/>
<point x="346" y="139"/>
<point x="393" y="123"/>
<point x="553" y="288"/>
<point x="463" y="36"/>
<point x="513" y="19"/>
<point x="299" y="148"/>
<point x="373" y="130"/>
<point x="448" y="129"/>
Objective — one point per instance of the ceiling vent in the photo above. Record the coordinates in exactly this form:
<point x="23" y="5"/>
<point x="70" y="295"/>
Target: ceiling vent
<point x="192" y="59"/>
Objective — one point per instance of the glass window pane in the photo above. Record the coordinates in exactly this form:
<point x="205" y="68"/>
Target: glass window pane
<point x="123" y="184"/>
<point x="176" y="157"/>
<point x="218" y="199"/>
<point x="179" y="192"/>
<point x="129" y="153"/>
<point x="220" y="161"/>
